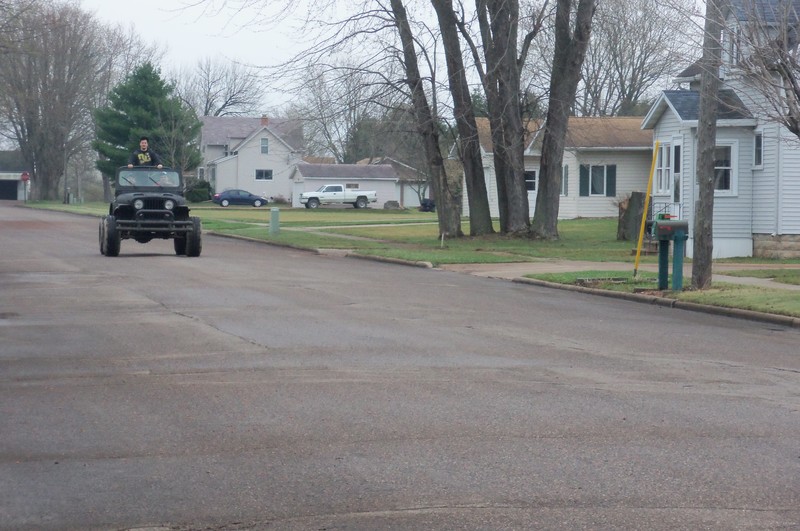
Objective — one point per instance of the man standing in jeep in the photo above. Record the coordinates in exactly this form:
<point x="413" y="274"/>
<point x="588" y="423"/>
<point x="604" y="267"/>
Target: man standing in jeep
<point x="143" y="156"/>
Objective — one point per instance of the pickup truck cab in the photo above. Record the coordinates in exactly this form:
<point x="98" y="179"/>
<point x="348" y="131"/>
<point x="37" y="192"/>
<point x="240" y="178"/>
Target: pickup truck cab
<point x="336" y="194"/>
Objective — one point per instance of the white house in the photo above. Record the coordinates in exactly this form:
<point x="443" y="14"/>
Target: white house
<point x="757" y="196"/>
<point x="382" y="178"/>
<point x="253" y="154"/>
<point x="605" y="159"/>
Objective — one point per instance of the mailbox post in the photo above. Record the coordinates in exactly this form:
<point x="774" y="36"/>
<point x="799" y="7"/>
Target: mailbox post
<point x="666" y="230"/>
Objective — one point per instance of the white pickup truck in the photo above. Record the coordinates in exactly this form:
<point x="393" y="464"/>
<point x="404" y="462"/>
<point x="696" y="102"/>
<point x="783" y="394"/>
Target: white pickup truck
<point x="338" y="194"/>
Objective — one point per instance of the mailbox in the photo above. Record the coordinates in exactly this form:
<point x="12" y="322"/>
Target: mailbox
<point x="670" y="229"/>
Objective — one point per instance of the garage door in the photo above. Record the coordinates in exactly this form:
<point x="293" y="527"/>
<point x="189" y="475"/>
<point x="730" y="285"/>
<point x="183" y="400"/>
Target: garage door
<point x="8" y="189"/>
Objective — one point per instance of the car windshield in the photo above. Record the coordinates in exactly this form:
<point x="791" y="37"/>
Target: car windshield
<point x="321" y="188"/>
<point x="157" y="178"/>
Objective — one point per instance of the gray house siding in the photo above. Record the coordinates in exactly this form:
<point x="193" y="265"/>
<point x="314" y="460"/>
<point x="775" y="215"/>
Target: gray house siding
<point x="789" y="191"/>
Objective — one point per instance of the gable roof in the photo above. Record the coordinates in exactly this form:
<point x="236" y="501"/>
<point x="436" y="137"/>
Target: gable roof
<point x="346" y="171"/>
<point x="622" y="132"/>
<point x="584" y="133"/>
<point x="686" y="106"/>
<point x="404" y="171"/>
<point x="232" y="130"/>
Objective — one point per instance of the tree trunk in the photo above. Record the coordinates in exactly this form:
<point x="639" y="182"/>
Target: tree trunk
<point x="480" y="220"/>
<point x="498" y="21"/>
<point x="448" y="199"/>
<point x="706" y="142"/>
<point x="570" y="51"/>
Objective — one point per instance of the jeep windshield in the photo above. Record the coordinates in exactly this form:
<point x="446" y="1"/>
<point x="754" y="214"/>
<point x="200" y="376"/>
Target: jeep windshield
<point x="148" y="178"/>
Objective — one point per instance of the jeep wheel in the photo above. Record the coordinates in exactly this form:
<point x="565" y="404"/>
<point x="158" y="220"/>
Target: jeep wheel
<point x="224" y="202"/>
<point x="180" y="245"/>
<point x="194" y="239"/>
<point x="110" y="243"/>
<point x="257" y="203"/>
<point x="312" y="203"/>
<point x="361" y="202"/>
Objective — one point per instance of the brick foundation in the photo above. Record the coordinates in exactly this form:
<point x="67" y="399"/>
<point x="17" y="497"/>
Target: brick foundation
<point x="780" y="247"/>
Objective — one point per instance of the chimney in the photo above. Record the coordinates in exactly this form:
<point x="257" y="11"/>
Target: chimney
<point x="264" y="120"/>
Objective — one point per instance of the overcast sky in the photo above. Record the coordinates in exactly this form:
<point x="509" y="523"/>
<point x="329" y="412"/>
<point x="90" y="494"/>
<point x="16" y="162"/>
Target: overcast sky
<point x="189" y="34"/>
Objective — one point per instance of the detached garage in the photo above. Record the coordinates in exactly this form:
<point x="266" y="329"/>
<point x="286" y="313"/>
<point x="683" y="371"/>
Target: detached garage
<point x="11" y="168"/>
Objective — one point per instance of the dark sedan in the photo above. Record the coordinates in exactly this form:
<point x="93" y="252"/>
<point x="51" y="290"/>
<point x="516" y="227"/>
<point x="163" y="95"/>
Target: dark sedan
<point x="238" y="197"/>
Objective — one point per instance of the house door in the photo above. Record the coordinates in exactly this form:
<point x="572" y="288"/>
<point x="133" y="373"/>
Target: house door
<point x="531" y="185"/>
<point x="667" y="180"/>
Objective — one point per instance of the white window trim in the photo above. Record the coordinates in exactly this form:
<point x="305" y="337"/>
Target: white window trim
<point x="605" y="179"/>
<point x="664" y="164"/>
<point x="734" y="191"/>
<point x="271" y="177"/>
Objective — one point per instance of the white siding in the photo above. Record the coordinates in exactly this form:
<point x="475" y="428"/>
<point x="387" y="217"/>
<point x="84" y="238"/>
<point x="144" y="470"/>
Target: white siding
<point x="633" y="170"/>
<point x="765" y="183"/>
<point x="789" y="192"/>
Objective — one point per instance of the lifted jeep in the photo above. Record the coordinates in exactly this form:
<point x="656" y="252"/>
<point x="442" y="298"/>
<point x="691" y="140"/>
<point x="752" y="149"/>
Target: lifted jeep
<point x="148" y="203"/>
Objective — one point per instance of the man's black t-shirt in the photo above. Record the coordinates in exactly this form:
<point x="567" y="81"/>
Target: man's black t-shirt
<point x="144" y="158"/>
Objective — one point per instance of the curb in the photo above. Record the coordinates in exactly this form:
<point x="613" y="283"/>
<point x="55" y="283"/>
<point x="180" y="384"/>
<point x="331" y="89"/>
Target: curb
<point x="782" y="320"/>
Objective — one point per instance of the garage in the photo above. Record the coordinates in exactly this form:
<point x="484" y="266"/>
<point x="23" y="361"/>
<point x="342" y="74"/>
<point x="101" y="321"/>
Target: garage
<point x="8" y="189"/>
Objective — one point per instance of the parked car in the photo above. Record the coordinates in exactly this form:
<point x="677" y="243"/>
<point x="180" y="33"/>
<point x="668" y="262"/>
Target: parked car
<point x="238" y="197"/>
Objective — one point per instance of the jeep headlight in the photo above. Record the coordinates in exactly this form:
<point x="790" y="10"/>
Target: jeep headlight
<point x="169" y="204"/>
<point x="138" y="204"/>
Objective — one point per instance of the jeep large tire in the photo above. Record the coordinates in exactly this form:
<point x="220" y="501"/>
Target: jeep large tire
<point x="194" y="239"/>
<point x="109" y="236"/>
<point x="180" y="245"/>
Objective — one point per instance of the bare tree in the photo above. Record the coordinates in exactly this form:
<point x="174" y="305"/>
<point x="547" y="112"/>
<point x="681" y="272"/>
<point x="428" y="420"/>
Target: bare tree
<point x="706" y="143"/>
<point x="220" y="88"/>
<point x="571" y="42"/>
<point x="333" y="100"/>
<point x="50" y="74"/>
<point x="633" y="50"/>
<point x="448" y="199"/>
<point x="468" y="143"/>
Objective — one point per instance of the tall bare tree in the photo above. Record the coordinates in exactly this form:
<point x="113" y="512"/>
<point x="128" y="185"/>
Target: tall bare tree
<point x="50" y="80"/>
<point x="468" y="143"/>
<point x="632" y="51"/>
<point x="217" y="87"/>
<point x="706" y="144"/>
<point x="448" y="198"/>
<point x="571" y="42"/>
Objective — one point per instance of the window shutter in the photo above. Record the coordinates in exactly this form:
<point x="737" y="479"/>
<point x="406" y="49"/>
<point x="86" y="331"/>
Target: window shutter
<point x="584" y="181"/>
<point x="611" y="180"/>
<point x="565" y="181"/>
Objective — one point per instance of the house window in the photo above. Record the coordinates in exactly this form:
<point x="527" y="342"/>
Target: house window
<point x="676" y="173"/>
<point x="723" y="168"/>
<point x="758" y="149"/>
<point x="663" y="178"/>
<point x="201" y="173"/>
<point x="565" y="181"/>
<point x="265" y="146"/>
<point x="732" y="37"/>
<point x="263" y="175"/>
<point x="351" y="186"/>
<point x="530" y="181"/>
<point x="598" y="180"/>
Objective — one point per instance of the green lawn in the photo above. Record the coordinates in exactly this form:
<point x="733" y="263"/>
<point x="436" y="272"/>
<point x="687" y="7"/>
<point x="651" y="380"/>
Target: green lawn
<point x="412" y="235"/>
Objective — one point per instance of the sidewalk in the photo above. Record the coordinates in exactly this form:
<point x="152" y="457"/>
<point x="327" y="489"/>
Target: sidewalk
<point x="514" y="270"/>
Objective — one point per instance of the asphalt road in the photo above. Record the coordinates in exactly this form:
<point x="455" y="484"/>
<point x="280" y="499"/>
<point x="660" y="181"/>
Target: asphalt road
<point x="257" y="387"/>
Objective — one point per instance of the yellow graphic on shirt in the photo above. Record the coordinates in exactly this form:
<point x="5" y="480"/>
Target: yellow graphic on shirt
<point x="144" y="159"/>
